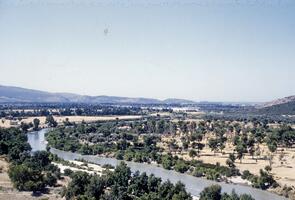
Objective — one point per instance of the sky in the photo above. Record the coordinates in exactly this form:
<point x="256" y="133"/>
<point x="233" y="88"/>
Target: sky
<point x="213" y="50"/>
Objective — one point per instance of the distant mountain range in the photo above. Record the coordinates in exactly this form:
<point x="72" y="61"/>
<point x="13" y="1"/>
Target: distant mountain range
<point x="18" y="94"/>
<point x="9" y="94"/>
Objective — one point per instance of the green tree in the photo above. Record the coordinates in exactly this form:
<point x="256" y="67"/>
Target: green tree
<point x="192" y="153"/>
<point x="213" y="144"/>
<point x="241" y="149"/>
<point x="50" y="121"/>
<point x="36" y="123"/>
<point x="167" y="161"/>
<point x="212" y="192"/>
<point x="26" y="179"/>
<point x="122" y="174"/>
<point x="231" y="161"/>
<point x="41" y="158"/>
<point x="50" y="179"/>
<point x="181" y="166"/>
<point x="24" y="126"/>
<point x="78" y="185"/>
<point x="95" y="188"/>
<point x="246" y="197"/>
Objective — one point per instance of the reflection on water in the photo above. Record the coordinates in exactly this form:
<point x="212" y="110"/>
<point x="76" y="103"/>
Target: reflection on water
<point x="37" y="140"/>
<point x="193" y="185"/>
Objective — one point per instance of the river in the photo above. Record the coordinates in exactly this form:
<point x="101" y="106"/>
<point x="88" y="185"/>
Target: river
<point x="193" y="184"/>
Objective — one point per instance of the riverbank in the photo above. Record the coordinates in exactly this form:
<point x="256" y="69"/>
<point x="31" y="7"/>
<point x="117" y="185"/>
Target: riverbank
<point x="194" y="185"/>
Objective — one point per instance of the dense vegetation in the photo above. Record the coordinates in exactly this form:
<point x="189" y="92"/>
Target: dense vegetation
<point x="264" y="181"/>
<point x="27" y="172"/>
<point x="34" y="173"/>
<point x="120" y="184"/>
<point x="13" y="143"/>
<point x="123" y="185"/>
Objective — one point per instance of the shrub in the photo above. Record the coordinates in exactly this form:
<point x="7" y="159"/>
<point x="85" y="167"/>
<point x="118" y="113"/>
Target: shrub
<point x="68" y="172"/>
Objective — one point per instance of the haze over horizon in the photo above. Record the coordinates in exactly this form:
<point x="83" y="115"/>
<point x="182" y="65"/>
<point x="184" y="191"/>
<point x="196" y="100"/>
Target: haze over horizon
<point x="181" y="49"/>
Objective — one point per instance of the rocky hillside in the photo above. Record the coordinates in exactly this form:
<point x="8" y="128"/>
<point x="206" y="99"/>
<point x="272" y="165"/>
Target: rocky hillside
<point x="283" y="106"/>
<point x="285" y="100"/>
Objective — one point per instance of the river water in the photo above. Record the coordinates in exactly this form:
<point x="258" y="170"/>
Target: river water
<point x="193" y="185"/>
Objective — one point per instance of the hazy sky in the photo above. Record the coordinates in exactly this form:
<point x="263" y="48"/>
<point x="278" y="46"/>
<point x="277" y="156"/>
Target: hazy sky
<point x="214" y="50"/>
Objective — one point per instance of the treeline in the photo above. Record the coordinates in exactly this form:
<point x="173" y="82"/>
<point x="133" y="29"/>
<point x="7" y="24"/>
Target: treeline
<point x="68" y="110"/>
<point x="220" y="107"/>
<point x="27" y="172"/>
<point x="213" y="192"/>
<point x="250" y="116"/>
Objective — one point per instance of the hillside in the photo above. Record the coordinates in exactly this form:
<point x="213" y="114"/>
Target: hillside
<point x="283" y="106"/>
<point x="281" y="101"/>
<point x="18" y="94"/>
<point x="279" y="109"/>
<point x="178" y="101"/>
